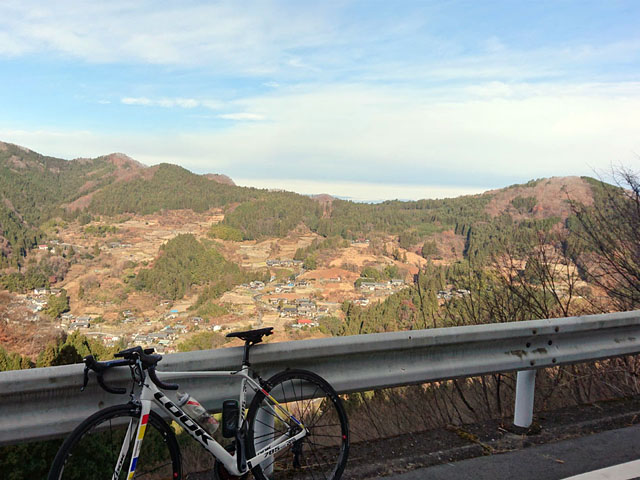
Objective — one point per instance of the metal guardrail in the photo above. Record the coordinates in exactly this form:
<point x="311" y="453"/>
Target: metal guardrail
<point x="46" y="402"/>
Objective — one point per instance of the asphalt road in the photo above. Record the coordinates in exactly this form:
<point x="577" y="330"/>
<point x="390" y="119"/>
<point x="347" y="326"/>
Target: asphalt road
<point x="552" y="461"/>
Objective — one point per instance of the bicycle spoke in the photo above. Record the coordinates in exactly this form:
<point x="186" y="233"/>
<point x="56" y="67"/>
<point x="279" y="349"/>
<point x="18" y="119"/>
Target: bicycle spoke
<point x="105" y="441"/>
<point x="310" y="403"/>
<point x="321" y="453"/>
<point x="313" y="450"/>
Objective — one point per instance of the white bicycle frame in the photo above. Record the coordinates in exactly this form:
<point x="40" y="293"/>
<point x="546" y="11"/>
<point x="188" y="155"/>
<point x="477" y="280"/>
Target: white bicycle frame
<point x="151" y="393"/>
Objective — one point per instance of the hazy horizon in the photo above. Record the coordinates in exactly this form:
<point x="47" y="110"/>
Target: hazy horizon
<point x="362" y="191"/>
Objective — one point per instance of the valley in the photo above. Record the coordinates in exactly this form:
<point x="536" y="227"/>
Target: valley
<point x="126" y="254"/>
<point x="104" y="307"/>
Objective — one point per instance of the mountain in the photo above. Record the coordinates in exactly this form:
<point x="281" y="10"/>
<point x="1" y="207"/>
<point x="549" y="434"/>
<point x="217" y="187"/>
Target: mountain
<point x="35" y="189"/>
<point x="217" y="177"/>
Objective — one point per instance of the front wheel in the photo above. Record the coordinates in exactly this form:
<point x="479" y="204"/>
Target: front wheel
<point x="322" y="453"/>
<point x="92" y="450"/>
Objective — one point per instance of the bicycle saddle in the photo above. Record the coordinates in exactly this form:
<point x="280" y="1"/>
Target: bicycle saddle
<point x="252" y="336"/>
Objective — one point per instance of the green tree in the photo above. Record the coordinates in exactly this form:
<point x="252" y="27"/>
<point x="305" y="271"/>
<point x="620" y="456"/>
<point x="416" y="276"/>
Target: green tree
<point x="57" y="304"/>
<point x="185" y="262"/>
<point x="310" y="263"/>
<point x="13" y="361"/>
<point x="225" y="232"/>
<point x="429" y="249"/>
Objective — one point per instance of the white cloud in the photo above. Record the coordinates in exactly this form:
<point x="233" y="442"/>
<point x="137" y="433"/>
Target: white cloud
<point x="250" y="39"/>
<point x="242" y="116"/>
<point x="170" y="102"/>
<point x="293" y="41"/>
<point x="371" y="135"/>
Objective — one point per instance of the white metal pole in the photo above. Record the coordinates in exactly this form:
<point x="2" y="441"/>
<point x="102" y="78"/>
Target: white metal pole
<point x="525" y="390"/>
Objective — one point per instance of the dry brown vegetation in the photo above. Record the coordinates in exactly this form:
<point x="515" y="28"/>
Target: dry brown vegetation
<point x="552" y="196"/>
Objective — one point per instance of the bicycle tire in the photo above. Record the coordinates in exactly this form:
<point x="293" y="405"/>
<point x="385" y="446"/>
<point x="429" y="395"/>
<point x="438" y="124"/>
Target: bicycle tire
<point x="323" y="453"/>
<point x="92" y="449"/>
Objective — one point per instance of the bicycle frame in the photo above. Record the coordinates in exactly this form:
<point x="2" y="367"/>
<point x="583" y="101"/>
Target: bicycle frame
<point x="152" y="394"/>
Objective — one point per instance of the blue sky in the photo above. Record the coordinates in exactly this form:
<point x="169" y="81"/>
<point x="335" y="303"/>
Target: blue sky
<point x="365" y="99"/>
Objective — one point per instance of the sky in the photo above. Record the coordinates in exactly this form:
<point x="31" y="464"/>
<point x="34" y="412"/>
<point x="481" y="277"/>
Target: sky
<point x="368" y="100"/>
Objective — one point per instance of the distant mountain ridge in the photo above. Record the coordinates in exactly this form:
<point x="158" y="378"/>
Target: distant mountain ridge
<point x="35" y="188"/>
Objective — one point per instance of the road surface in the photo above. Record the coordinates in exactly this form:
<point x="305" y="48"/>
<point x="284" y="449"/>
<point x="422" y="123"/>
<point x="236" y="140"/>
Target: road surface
<point x="552" y="461"/>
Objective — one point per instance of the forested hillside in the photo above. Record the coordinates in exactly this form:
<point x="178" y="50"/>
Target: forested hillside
<point x="169" y="188"/>
<point x="35" y="188"/>
<point x="184" y="262"/>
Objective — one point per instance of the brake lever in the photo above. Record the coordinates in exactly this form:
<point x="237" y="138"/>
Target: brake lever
<point x="86" y="378"/>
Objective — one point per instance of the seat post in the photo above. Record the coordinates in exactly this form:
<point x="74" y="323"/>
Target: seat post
<point x="245" y="356"/>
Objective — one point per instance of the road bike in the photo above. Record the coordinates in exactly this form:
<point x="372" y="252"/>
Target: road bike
<point x="294" y="427"/>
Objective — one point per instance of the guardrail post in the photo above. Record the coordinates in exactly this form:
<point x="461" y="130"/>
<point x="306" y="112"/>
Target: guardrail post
<point x="525" y="390"/>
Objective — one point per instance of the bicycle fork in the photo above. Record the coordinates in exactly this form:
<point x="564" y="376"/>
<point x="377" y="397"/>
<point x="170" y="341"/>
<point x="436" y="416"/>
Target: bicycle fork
<point x="133" y="431"/>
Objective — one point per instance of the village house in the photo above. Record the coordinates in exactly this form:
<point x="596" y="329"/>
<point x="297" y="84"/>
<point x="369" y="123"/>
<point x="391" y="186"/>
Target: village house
<point x="81" y="322"/>
<point x="372" y="286"/>
<point x="283" y="263"/>
<point x="304" y="322"/>
<point x="289" y="311"/>
<point x="360" y="242"/>
<point x="181" y="328"/>
<point x="306" y="310"/>
<point x="444" y="294"/>
<point x="110" y="340"/>
<point x="170" y="331"/>
<point x="141" y="340"/>
<point x="305" y="301"/>
<point x="157" y="336"/>
<point x="449" y="294"/>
